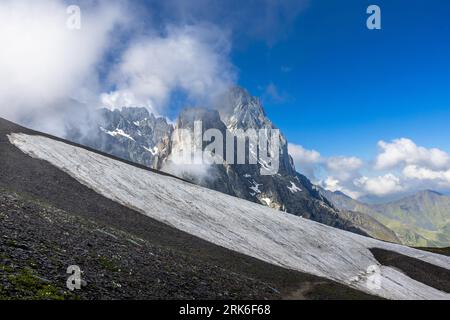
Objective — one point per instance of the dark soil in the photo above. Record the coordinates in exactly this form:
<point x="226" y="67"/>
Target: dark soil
<point x="416" y="269"/>
<point x="49" y="221"/>
<point x="443" y="251"/>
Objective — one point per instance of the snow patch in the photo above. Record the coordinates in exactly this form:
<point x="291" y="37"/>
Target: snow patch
<point x="117" y="132"/>
<point x="255" y="187"/>
<point x="243" y="226"/>
<point x="293" y="188"/>
<point x="267" y="201"/>
<point x="153" y="151"/>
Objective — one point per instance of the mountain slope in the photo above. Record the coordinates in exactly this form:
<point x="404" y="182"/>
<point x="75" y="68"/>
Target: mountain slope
<point x="242" y="226"/>
<point x="422" y="219"/>
<point x="49" y="220"/>
<point x="130" y="134"/>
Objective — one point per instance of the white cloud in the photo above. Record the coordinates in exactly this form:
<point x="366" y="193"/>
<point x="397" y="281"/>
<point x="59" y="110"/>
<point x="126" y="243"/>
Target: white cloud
<point x="305" y="160"/>
<point x="344" y="168"/>
<point x="333" y="184"/>
<point x="44" y="65"/>
<point x="302" y="155"/>
<point x="401" y="166"/>
<point x="193" y="59"/>
<point x="334" y="173"/>
<point x="405" y="151"/>
<point x="381" y="185"/>
<point x="42" y="62"/>
<point x="340" y="173"/>
<point x="310" y="162"/>
<point x="425" y="174"/>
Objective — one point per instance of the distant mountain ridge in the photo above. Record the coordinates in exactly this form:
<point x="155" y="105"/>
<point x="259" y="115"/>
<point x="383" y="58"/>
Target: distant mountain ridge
<point x="136" y="135"/>
<point x="422" y="219"/>
<point x="130" y="207"/>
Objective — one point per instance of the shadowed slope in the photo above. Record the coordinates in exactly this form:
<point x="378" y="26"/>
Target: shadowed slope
<point x="40" y="182"/>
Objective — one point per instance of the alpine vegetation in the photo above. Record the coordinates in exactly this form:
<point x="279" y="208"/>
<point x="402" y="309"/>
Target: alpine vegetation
<point x="281" y="239"/>
<point x="219" y="150"/>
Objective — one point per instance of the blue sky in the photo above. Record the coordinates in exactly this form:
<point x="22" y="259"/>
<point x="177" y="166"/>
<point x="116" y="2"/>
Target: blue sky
<point x="333" y="79"/>
<point x="366" y="111"/>
<point x="343" y="87"/>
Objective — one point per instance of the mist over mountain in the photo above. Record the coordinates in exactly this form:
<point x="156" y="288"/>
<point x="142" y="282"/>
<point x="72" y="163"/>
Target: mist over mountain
<point x="152" y="235"/>
<point x="134" y="167"/>
<point x="135" y="134"/>
<point x="374" y="200"/>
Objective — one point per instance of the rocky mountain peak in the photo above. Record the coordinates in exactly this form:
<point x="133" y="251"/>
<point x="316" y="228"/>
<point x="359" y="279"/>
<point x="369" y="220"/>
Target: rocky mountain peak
<point x="240" y="110"/>
<point x="137" y="135"/>
<point x="209" y="117"/>
<point x="135" y="114"/>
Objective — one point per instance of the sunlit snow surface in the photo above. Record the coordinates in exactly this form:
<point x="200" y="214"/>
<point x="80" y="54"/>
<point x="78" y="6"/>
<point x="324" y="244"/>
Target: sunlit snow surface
<point x="239" y="225"/>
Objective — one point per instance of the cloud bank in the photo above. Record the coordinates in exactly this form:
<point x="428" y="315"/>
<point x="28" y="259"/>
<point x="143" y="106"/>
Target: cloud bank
<point x="404" y="151"/>
<point x="51" y="74"/>
<point x="43" y="64"/>
<point x="126" y="53"/>
<point x="400" y="167"/>
<point x="52" y="77"/>
<point x="192" y="59"/>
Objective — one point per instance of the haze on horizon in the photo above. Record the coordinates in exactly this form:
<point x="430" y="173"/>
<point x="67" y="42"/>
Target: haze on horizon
<point x="366" y="111"/>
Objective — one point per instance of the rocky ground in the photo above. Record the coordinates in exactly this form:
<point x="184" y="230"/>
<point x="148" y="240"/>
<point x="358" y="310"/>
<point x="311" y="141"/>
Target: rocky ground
<point x="443" y="251"/>
<point x="416" y="269"/>
<point x="39" y="242"/>
<point x="49" y="221"/>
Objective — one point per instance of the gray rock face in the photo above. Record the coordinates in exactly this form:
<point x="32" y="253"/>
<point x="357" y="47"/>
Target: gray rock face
<point x="136" y="135"/>
<point x="132" y="133"/>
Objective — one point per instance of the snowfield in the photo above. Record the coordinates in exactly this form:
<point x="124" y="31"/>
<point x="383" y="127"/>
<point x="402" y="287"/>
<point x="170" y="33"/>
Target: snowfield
<point x="239" y="225"/>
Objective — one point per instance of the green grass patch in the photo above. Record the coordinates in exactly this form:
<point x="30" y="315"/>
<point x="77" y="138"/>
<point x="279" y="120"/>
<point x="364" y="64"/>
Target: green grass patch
<point x="5" y="268"/>
<point x="29" y="287"/>
<point x="108" y="264"/>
